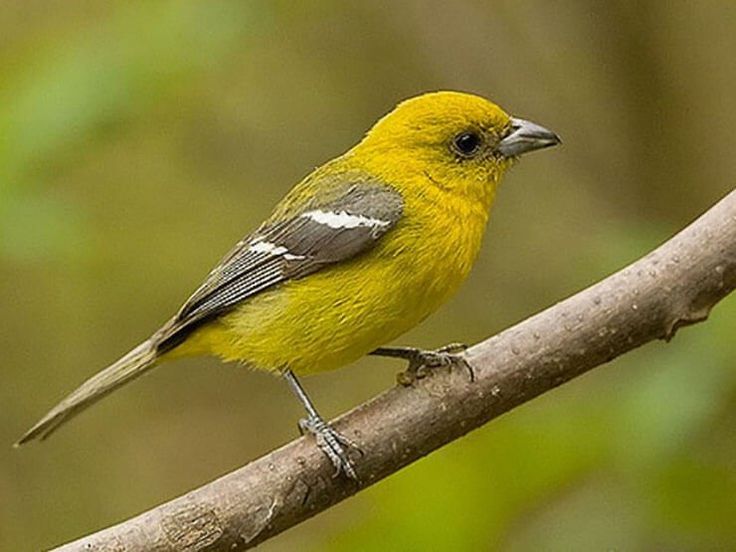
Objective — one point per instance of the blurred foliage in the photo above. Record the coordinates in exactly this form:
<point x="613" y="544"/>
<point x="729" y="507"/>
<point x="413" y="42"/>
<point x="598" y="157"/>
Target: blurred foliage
<point x="139" y="140"/>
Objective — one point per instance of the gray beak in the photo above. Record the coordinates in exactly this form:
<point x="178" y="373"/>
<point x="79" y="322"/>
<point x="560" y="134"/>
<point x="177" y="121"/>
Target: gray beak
<point x="525" y="136"/>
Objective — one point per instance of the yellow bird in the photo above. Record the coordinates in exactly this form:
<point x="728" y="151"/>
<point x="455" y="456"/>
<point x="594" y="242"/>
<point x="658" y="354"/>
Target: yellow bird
<point x="359" y="252"/>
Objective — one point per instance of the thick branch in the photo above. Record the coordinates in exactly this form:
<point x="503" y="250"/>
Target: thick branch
<point x="675" y="285"/>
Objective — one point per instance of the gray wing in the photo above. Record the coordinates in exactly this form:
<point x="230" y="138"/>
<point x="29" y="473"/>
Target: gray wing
<point x="320" y="235"/>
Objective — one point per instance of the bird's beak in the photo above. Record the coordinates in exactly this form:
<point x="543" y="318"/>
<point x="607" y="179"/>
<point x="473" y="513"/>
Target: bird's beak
<point x="525" y="136"/>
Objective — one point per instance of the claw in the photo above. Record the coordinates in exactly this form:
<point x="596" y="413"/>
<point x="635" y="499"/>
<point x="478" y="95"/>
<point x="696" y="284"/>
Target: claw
<point x="421" y="360"/>
<point x="333" y="444"/>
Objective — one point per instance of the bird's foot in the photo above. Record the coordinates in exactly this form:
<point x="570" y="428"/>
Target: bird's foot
<point x="422" y="361"/>
<point x="332" y="443"/>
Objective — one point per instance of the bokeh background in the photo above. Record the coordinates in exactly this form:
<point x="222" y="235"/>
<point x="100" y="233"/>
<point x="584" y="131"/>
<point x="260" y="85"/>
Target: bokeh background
<point x="139" y="140"/>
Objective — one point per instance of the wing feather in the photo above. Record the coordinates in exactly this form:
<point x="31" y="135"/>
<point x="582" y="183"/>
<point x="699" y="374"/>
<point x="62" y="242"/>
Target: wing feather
<point x="318" y="235"/>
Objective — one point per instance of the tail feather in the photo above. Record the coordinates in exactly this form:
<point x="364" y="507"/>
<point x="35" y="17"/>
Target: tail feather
<point x="132" y="365"/>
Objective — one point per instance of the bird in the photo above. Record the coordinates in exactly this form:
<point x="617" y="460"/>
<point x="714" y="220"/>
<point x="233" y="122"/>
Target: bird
<point x="363" y="249"/>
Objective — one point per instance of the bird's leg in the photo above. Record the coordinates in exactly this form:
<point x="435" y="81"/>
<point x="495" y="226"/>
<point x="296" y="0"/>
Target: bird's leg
<point x="420" y="360"/>
<point x="329" y="441"/>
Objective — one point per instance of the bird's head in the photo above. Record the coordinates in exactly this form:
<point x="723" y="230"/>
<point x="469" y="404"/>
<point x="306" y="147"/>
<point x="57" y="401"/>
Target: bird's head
<point x="458" y="142"/>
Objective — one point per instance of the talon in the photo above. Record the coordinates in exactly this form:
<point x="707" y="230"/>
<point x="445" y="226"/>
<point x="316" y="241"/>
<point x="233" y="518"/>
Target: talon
<point x="411" y="374"/>
<point x="406" y="378"/>
<point x="465" y="364"/>
<point x="421" y="361"/>
<point x="416" y="370"/>
<point x="332" y="444"/>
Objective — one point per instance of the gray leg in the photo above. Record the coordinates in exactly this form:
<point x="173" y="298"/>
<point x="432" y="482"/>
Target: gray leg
<point x="328" y="440"/>
<point x="420" y="359"/>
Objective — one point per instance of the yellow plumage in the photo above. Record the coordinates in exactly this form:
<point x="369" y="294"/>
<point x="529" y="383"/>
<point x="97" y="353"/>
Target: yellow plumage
<point x="360" y="251"/>
<point x="343" y="312"/>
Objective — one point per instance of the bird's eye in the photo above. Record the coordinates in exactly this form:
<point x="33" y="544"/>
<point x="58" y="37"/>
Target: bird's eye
<point x="467" y="144"/>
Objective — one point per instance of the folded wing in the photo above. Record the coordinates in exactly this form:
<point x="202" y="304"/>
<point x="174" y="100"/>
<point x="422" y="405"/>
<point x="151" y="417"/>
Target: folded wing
<point x="321" y="234"/>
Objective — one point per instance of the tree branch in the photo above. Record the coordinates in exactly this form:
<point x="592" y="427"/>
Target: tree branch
<point x="675" y="285"/>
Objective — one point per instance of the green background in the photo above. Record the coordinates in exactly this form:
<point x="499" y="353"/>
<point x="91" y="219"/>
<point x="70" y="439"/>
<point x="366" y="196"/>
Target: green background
<point x="139" y="140"/>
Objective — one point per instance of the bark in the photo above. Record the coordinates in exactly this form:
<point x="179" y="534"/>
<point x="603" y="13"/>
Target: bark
<point x="673" y="286"/>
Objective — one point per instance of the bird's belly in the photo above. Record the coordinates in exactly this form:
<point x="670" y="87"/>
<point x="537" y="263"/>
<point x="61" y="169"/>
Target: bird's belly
<point x="328" y="319"/>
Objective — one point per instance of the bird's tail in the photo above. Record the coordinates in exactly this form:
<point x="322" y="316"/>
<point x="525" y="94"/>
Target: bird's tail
<point x="132" y="365"/>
